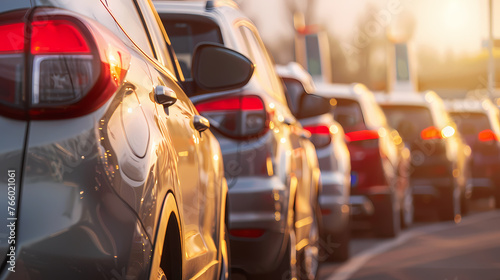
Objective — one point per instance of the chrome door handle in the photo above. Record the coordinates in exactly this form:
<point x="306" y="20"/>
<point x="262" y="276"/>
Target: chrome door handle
<point x="165" y="96"/>
<point x="200" y="123"/>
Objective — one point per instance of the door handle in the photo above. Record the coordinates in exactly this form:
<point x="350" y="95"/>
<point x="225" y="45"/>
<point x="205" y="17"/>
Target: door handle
<point x="165" y="96"/>
<point x="200" y="123"/>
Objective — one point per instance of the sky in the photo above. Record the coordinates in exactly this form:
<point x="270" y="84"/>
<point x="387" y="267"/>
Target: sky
<point x="446" y="25"/>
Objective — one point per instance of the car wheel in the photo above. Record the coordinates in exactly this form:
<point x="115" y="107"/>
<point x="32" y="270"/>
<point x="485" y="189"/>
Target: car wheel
<point x="341" y="241"/>
<point x="407" y="209"/>
<point x="449" y="203"/>
<point x="161" y="275"/>
<point x="387" y="218"/>
<point x="308" y="259"/>
<point x="287" y="268"/>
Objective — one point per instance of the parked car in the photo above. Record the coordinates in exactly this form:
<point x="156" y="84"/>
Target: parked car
<point x="314" y="113"/>
<point x="440" y="158"/>
<point x="110" y="170"/>
<point x="273" y="195"/>
<point x="380" y="190"/>
<point x="479" y="123"/>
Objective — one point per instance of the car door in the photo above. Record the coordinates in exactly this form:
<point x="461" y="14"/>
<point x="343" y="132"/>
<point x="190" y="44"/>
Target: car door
<point x="197" y="208"/>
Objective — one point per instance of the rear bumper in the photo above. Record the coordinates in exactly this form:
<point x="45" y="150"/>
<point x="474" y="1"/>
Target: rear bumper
<point x="334" y="202"/>
<point x="258" y="203"/>
<point x="429" y="187"/>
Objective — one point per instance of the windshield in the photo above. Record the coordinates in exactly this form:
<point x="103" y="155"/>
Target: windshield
<point x="409" y="121"/>
<point x="348" y="113"/>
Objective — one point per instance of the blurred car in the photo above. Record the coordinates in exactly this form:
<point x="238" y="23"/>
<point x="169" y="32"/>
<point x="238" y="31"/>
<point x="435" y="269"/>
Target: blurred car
<point x="439" y="156"/>
<point x="479" y="123"/>
<point x="273" y="192"/>
<point x="328" y="137"/>
<point x="110" y="170"/>
<point x="380" y="189"/>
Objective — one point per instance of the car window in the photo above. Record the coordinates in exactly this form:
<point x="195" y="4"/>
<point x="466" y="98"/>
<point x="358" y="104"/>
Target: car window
<point x="158" y="36"/>
<point x="125" y="12"/>
<point x="263" y="64"/>
<point x="348" y="113"/>
<point x="471" y="123"/>
<point x="186" y="32"/>
<point x="409" y="121"/>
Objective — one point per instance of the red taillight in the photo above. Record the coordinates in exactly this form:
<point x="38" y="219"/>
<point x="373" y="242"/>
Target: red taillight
<point x="13" y="38"/>
<point x="247" y="233"/>
<point x="240" y="116"/>
<point x="487" y="135"/>
<point x="361" y="135"/>
<point x="431" y="133"/>
<point x="57" y="37"/>
<point x="320" y="135"/>
<point x="77" y="65"/>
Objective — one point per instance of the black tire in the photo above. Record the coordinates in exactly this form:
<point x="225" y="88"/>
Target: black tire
<point x="341" y="240"/>
<point x="386" y="219"/>
<point x="308" y="258"/>
<point x="448" y="205"/>
<point x="287" y="268"/>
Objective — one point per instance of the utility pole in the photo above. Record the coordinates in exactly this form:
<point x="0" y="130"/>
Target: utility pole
<point x="491" y="60"/>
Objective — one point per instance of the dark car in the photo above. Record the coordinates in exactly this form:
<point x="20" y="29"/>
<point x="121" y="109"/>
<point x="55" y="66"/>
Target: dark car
<point x="439" y="172"/>
<point x="314" y="113"/>
<point x="273" y="191"/>
<point x="380" y="190"/>
<point x="479" y="123"/>
<point x="110" y="171"/>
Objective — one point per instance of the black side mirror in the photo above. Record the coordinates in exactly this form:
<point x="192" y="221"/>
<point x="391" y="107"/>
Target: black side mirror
<point x="313" y="105"/>
<point x="216" y="68"/>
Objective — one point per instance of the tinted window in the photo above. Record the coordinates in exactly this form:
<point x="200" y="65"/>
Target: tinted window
<point x="127" y="16"/>
<point x="409" y="121"/>
<point x="348" y="113"/>
<point x="471" y="123"/>
<point x="186" y="32"/>
<point x="294" y="91"/>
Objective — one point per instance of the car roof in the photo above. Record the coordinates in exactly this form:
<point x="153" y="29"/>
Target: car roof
<point x="295" y="71"/>
<point x="345" y="91"/>
<point x="404" y="99"/>
<point x="469" y="105"/>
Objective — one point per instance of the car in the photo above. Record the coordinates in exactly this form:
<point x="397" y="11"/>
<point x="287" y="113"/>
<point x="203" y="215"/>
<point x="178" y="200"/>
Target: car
<point x="380" y="189"/>
<point x="110" y="171"/>
<point x="273" y="194"/>
<point x="479" y="123"/>
<point x="440" y="158"/>
<point x="327" y="135"/>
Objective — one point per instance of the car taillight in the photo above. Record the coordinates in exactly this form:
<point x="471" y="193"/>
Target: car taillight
<point x="362" y="135"/>
<point x="76" y="67"/>
<point x="320" y="135"/>
<point x="430" y="132"/>
<point x="238" y="116"/>
<point x="487" y="135"/>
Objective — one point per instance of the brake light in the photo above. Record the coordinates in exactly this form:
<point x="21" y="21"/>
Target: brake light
<point x="247" y="233"/>
<point x="240" y="116"/>
<point x="320" y="135"/>
<point x="77" y="66"/>
<point x="13" y="35"/>
<point x="487" y="135"/>
<point x="362" y="135"/>
<point x="57" y="36"/>
<point x="431" y="133"/>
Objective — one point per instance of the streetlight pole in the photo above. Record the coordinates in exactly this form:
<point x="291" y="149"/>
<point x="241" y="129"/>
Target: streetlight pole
<point x="491" y="61"/>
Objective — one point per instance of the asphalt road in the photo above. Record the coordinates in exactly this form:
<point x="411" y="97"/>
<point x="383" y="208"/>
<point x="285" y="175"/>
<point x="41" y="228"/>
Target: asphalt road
<point x="430" y="249"/>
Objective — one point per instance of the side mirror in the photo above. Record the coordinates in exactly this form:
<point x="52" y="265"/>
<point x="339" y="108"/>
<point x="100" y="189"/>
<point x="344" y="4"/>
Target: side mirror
<point x="313" y="105"/>
<point x="217" y="68"/>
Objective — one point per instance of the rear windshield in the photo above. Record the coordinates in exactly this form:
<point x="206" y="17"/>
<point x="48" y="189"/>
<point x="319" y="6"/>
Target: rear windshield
<point x="348" y="113"/>
<point x="471" y="123"/>
<point x="186" y="32"/>
<point x="409" y="121"/>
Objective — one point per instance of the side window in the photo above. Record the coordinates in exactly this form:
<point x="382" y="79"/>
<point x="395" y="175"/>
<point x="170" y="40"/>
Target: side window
<point x="186" y="32"/>
<point x="157" y="33"/>
<point x="128" y="17"/>
<point x="264" y="65"/>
